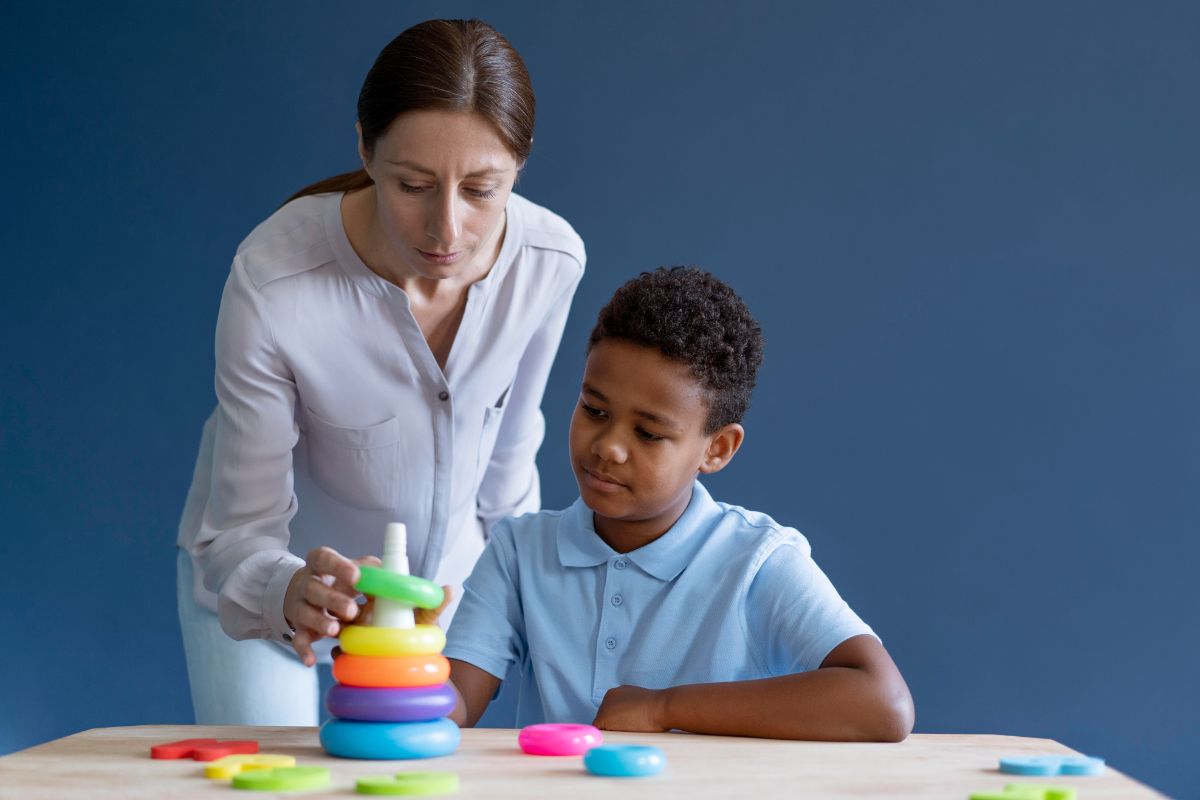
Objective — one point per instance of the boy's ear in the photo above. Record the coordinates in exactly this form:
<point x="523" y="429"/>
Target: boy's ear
<point x="721" y="447"/>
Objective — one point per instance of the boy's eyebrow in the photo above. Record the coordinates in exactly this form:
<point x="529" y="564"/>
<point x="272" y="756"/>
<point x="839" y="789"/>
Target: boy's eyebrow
<point x="479" y="173"/>
<point x="655" y="418"/>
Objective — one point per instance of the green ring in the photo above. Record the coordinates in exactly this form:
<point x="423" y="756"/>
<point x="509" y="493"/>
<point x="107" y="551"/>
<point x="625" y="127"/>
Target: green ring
<point x="409" y="589"/>
<point x="282" y="779"/>
<point x="408" y="783"/>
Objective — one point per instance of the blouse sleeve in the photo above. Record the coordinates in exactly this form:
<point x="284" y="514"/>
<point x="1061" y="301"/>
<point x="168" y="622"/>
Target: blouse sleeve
<point x="510" y="485"/>
<point x="241" y="545"/>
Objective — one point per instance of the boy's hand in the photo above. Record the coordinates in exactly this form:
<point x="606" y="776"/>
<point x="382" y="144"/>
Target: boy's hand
<point x="632" y="708"/>
<point x="423" y="616"/>
<point x="429" y="616"/>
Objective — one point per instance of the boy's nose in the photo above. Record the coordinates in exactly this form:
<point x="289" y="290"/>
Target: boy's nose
<point x="609" y="448"/>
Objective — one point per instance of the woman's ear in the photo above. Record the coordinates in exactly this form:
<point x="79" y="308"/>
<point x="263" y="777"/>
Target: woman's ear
<point x="721" y="447"/>
<point x="363" y="155"/>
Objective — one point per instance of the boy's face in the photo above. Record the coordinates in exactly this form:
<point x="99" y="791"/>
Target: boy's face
<point x="638" y="441"/>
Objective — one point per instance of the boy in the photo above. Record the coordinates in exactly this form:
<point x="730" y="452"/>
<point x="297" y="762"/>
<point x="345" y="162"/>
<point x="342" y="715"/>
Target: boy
<point x="646" y="605"/>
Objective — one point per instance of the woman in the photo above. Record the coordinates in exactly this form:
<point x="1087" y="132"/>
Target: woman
<point x="382" y="347"/>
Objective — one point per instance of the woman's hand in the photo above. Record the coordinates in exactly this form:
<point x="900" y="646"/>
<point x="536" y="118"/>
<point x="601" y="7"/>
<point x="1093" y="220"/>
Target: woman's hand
<point x="320" y="596"/>
<point x="632" y="708"/>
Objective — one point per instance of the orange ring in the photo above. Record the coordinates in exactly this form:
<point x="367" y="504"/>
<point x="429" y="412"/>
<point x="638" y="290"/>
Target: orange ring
<point x="391" y="671"/>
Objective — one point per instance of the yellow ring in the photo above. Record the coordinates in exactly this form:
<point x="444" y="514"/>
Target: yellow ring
<point x="229" y="766"/>
<point x="369" y="640"/>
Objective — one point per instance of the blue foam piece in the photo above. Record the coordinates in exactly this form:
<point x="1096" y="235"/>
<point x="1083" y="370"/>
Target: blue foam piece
<point x="1052" y="765"/>
<point x="624" y="760"/>
<point x="1081" y="765"/>
<point x="387" y="741"/>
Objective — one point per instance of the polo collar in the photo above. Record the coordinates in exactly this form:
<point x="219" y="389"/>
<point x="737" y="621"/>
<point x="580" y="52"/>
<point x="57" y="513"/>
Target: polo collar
<point x="580" y="546"/>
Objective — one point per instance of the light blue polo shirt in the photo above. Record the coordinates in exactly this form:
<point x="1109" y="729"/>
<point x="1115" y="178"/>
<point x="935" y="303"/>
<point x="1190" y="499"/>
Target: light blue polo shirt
<point x="725" y="595"/>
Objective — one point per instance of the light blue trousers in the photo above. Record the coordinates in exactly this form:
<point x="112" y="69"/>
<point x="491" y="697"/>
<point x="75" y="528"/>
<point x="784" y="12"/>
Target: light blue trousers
<point x="254" y="682"/>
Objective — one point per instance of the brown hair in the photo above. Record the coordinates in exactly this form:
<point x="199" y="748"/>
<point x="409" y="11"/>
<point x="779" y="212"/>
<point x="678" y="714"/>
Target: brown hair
<point x="448" y="65"/>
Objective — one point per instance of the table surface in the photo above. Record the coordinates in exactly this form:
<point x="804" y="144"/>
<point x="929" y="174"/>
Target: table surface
<point x="115" y="762"/>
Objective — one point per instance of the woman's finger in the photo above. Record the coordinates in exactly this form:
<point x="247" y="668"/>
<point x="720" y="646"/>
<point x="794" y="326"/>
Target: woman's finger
<point x="316" y="621"/>
<point x="329" y="598"/>
<point x="327" y="561"/>
<point x="302" y="644"/>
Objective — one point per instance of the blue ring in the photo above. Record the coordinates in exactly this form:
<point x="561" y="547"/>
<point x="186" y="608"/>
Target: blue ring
<point x="387" y="741"/>
<point x="625" y="760"/>
<point x="412" y="704"/>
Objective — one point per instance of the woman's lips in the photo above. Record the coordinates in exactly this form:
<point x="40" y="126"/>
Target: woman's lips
<point x="440" y="258"/>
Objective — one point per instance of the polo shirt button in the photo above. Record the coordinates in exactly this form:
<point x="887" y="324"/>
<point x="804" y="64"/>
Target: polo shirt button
<point x="610" y="643"/>
<point x="620" y="563"/>
<point x="443" y="395"/>
<point x="617" y="600"/>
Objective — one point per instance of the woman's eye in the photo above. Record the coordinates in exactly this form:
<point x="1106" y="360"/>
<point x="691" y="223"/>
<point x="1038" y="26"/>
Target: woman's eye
<point x="410" y="189"/>
<point x="482" y="194"/>
<point x="647" y="436"/>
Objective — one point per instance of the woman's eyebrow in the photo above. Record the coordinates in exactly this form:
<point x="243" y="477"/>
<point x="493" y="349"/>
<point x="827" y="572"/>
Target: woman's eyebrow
<point x="479" y="173"/>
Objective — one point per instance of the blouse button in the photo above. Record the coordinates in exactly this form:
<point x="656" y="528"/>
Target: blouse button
<point x="610" y="643"/>
<point x="620" y="563"/>
<point x="617" y="600"/>
<point x="443" y="395"/>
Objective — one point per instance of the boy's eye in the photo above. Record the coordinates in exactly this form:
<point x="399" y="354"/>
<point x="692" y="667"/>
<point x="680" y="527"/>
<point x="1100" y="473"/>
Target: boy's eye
<point x="591" y="411"/>
<point x="647" y="436"/>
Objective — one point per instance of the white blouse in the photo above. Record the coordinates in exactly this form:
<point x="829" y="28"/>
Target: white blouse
<point x="333" y="418"/>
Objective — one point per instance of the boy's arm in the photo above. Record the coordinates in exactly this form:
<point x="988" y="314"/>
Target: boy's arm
<point x="474" y="689"/>
<point x="857" y="694"/>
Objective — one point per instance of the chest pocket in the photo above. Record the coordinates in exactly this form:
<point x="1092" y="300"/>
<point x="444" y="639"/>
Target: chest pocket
<point x="492" y="415"/>
<point x="356" y="466"/>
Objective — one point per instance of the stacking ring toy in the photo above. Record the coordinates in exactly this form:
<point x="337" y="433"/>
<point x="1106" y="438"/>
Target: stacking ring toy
<point x="409" y="783"/>
<point x="413" y="704"/>
<point x="228" y="766"/>
<point x="391" y="671"/>
<point x="409" y="589"/>
<point x="624" y="760"/>
<point x="283" y="779"/>
<point x="369" y="640"/>
<point x="386" y="741"/>
<point x="559" y="739"/>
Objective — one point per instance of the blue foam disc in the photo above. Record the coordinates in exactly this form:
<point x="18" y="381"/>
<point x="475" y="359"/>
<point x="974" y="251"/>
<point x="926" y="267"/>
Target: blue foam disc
<point x="624" y="760"/>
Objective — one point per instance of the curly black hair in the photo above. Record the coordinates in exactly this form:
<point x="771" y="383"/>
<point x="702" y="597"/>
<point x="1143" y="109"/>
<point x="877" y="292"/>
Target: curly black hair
<point x="692" y="317"/>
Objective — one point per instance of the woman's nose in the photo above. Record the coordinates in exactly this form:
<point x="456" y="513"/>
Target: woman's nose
<point x="445" y="223"/>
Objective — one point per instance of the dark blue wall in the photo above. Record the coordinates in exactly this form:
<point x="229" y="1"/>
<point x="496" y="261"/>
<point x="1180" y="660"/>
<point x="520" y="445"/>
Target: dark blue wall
<point x="970" y="232"/>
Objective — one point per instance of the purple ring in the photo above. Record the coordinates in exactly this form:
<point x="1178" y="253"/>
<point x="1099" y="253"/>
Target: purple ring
<point x="414" y="704"/>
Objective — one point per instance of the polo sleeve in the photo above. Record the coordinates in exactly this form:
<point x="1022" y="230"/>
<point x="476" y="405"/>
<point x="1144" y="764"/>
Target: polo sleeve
<point x="794" y="612"/>
<point x="488" y="630"/>
<point x="241" y="545"/>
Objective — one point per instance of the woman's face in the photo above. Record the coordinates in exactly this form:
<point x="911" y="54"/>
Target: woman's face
<point x="442" y="179"/>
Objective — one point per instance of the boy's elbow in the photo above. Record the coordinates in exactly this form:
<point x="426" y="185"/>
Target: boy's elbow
<point x="897" y="717"/>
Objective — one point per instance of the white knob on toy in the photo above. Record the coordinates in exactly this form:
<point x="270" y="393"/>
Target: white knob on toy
<point x="391" y="613"/>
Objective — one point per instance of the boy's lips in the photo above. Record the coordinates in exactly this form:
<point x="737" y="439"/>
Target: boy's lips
<point x="600" y="481"/>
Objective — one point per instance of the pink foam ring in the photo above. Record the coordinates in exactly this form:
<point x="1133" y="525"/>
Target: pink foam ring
<point x="559" y="739"/>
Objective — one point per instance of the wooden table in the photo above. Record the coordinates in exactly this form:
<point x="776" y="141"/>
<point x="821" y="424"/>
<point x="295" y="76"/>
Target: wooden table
<point x="116" y="763"/>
